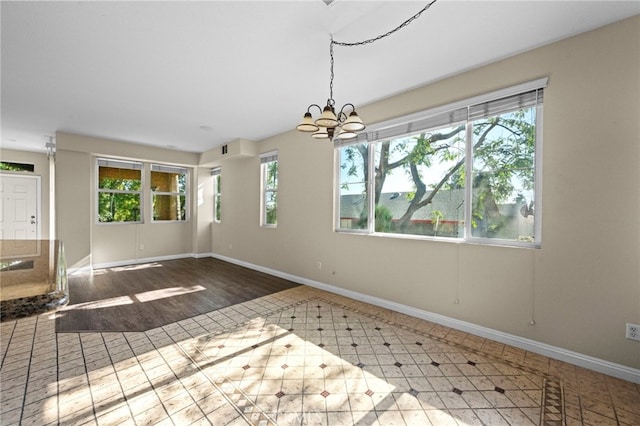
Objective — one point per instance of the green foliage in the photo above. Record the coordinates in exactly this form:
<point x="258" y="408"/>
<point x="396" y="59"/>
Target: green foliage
<point x="218" y="207"/>
<point x="16" y="167"/>
<point x="118" y="207"/>
<point x="115" y="206"/>
<point x="383" y="219"/>
<point x="271" y="182"/>
<point x="272" y="174"/>
<point x="272" y="215"/>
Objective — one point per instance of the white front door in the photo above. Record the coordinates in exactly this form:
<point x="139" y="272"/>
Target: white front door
<point x="19" y="209"/>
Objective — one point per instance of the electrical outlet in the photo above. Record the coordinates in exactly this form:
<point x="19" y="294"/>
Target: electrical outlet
<point x="633" y="331"/>
<point x="319" y="265"/>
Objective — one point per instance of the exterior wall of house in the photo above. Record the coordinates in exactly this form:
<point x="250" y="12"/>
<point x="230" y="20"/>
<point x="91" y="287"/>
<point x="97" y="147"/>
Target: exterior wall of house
<point x="41" y="168"/>
<point x="580" y="287"/>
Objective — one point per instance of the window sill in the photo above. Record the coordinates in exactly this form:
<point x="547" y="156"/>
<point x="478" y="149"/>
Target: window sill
<point x="476" y="241"/>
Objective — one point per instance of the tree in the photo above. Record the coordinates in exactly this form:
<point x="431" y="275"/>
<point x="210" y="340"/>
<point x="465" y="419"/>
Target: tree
<point x="503" y="157"/>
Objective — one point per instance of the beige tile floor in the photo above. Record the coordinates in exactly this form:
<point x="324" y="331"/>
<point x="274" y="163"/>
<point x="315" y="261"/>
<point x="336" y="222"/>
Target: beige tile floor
<point x="301" y="356"/>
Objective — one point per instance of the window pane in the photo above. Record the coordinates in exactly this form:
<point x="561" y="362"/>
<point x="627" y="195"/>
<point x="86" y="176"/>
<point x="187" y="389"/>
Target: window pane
<point x="354" y="204"/>
<point x="118" y="207"/>
<point x="16" y="167"/>
<point x="169" y="207"/>
<point x="168" y="182"/>
<point x="271" y="205"/>
<point x="419" y="183"/>
<point x="271" y="175"/>
<point x="504" y="175"/>
<point x="119" y="179"/>
<point x="218" y="211"/>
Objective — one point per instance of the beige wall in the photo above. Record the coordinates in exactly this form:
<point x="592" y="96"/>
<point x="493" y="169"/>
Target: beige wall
<point x="88" y="243"/>
<point x="41" y="168"/>
<point x="580" y="288"/>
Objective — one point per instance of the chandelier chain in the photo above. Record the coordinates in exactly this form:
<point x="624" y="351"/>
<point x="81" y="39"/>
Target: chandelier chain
<point x="398" y="28"/>
<point x="368" y="41"/>
<point x="331" y="79"/>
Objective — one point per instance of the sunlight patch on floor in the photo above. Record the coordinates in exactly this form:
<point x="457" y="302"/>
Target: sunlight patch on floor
<point x="143" y="297"/>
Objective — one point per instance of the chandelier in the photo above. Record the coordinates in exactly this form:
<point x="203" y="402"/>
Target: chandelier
<point x="342" y="125"/>
<point x="329" y="122"/>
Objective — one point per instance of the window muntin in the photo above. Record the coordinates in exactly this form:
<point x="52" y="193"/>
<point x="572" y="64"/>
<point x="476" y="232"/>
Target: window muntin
<point x="217" y="194"/>
<point x="169" y="193"/>
<point x="269" y="185"/>
<point x="419" y="185"/>
<point x="119" y="190"/>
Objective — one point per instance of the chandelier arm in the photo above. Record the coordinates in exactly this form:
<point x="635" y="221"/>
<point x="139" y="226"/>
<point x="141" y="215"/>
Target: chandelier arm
<point x="371" y="40"/>
<point x="342" y="115"/>
<point x="314" y="105"/>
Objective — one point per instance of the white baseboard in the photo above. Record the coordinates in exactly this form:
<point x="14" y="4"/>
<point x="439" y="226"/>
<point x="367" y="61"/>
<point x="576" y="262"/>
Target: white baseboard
<point x="575" y="358"/>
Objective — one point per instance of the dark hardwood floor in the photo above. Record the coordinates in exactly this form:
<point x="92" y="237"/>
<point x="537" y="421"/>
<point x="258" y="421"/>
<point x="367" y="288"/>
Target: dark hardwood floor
<point x="146" y="296"/>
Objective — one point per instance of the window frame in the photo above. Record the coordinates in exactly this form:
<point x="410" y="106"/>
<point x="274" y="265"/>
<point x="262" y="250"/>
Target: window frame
<point x="164" y="168"/>
<point x="122" y="164"/>
<point x="216" y="172"/>
<point x="266" y="159"/>
<point x="372" y="136"/>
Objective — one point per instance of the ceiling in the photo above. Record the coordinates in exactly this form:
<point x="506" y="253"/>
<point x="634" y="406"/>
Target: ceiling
<point x="191" y="75"/>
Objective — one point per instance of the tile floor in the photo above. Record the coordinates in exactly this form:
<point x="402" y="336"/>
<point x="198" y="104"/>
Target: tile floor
<point x="301" y="356"/>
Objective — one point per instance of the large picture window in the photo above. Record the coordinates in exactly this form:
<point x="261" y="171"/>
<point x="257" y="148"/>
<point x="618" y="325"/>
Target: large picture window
<point x="169" y="193"/>
<point x="269" y="185"/>
<point x="466" y="171"/>
<point x="119" y="190"/>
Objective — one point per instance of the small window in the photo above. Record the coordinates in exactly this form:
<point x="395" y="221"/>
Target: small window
<point x="119" y="187"/>
<point x="269" y="185"/>
<point x="16" y="167"/>
<point x="169" y="193"/>
<point x="217" y="199"/>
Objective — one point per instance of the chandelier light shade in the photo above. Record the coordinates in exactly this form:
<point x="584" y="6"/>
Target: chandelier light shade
<point x="354" y="123"/>
<point x="322" y="133"/>
<point x="307" y="124"/>
<point x="328" y="118"/>
<point x="341" y="125"/>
